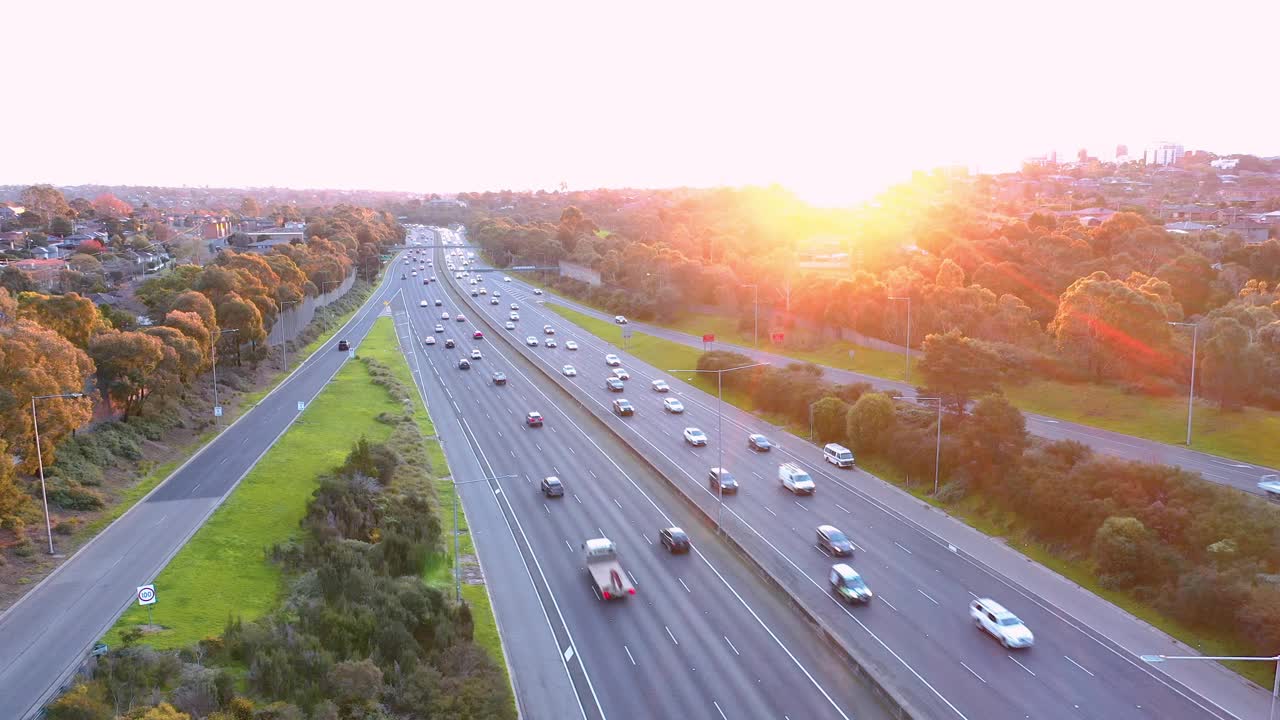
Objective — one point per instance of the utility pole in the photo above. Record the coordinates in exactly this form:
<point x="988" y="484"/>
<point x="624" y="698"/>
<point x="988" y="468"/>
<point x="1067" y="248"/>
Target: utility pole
<point x="35" y="423"/>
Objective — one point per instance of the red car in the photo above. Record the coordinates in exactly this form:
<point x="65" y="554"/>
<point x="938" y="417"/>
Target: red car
<point x="533" y="419"/>
<point x="477" y="335"/>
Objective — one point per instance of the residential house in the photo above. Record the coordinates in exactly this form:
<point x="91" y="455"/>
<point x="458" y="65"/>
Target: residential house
<point x="43" y="272"/>
<point x="13" y="240"/>
<point x="1250" y="231"/>
<point x="10" y="212"/>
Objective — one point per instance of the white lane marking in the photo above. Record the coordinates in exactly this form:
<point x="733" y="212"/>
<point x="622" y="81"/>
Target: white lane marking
<point x="571" y="450"/>
<point x="556" y="469"/>
<point x="593" y="473"/>
<point x="677" y="642"/>
<point x="758" y="475"/>
<point x="895" y="542"/>
<point x="162" y="518"/>
<point x="632" y="659"/>
<point x="843" y="508"/>
<point x="891" y="605"/>
<point x="686" y="587"/>
<point x="966" y="667"/>
<point x="975" y="597"/>
<point x="194" y="489"/>
<point x="567" y="545"/>
<point x="575" y="497"/>
<point x="568" y="653"/>
<point x="601" y="531"/>
<point x="722" y="715"/>
<point x="615" y="502"/>
<point x="1073" y="662"/>
<point x="513" y="453"/>
<point x="646" y="539"/>
<point x="731" y="647"/>
<point x="223" y="461"/>
<point x="538" y="446"/>
<point x="1024" y="667"/>
<point x="544" y="507"/>
<point x="633" y="579"/>
<point x="935" y="602"/>
<point x="771" y="512"/>
<point x="797" y="502"/>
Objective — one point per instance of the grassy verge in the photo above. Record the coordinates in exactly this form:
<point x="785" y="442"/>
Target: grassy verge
<point x="973" y="510"/>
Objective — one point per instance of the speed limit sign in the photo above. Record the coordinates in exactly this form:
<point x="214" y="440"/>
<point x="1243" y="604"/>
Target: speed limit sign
<point x="147" y="595"/>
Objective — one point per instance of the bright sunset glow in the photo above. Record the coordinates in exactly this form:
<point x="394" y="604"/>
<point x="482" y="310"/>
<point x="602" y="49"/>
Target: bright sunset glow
<point x="834" y="100"/>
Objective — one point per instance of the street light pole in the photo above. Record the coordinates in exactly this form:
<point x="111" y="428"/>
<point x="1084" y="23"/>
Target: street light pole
<point x="457" y="565"/>
<point x="1275" y="688"/>
<point x="755" y="303"/>
<point x="216" y="420"/>
<point x="908" y="299"/>
<point x="720" y="427"/>
<point x="35" y="424"/>
<point x="1191" y="394"/>
<point x="937" y="451"/>
<point x="284" y="334"/>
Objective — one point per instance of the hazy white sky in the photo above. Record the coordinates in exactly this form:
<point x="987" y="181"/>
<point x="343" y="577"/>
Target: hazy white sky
<point x="832" y="99"/>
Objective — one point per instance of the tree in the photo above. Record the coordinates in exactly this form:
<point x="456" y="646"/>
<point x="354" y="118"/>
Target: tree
<point x="85" y="701"/>
<point x="870" y="421"/>
<point x="236" y="313"/>
<point x="1231" y="364"/>
<point x="993" y="438"/>
<point x="90" y="247"/>
<point x="127" y="363"/>
<point x="249" y="207"/>
<point x="1121" y="548"/>
<point x="61" y="226"/>
<point x="15" y="280"/>
<point x="16" y="506"/>
<point x="1111" y="328"/>
<point x="164" y="711"/>
<point x="46" y="201"/>
<point x="159" y="293"/>
<point x="84" y="263"/>
<point x="958" y="368"/>
<point x="107" y="205"/>
<point x="71" y="316"/>
<point x="829" y="419"/>
<point x="1191" y="276"/>
<point x="355" y="684"/>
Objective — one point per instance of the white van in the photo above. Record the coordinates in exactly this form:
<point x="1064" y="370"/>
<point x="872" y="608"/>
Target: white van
<point x="838" y="455"/>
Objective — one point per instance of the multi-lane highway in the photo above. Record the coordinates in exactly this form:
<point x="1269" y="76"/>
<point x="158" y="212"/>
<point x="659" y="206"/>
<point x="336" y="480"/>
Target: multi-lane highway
<point x="703" y="636"/>
<point x="917" y="629"/>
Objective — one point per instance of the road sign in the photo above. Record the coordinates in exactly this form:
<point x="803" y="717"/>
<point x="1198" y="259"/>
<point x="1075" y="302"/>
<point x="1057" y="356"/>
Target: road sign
<point x="776" y="337"/>
<point x="302" y="405"/>
<point x="147" y="595"/>
<point x="217" y="411"/>
<point x="626" y="332"/>
<point x="708" y="338"/>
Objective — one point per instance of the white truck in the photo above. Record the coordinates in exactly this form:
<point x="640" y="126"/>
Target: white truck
<point x="1270" y="484"/>
<point x="795" y="479"/>
<point x="610" y="579"/>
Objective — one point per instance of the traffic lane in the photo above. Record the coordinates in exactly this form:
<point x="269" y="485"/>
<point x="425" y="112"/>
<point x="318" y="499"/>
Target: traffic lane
<point x="656" y="575"/>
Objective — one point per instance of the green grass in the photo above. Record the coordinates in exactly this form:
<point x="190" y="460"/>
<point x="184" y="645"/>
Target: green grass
<point x="972" y="511"/>
<point x="222" y="571"/>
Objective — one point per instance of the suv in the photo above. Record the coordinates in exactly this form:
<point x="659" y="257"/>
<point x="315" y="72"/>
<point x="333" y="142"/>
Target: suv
<point x="343" y="346"/>
<point x="674" y="539"/>
<point x="1003" y="625"/>
<point x="613" y="384"/>
<point x="623" y="407"/>
<point x="464" y="364"/>
<point x="533" y="419"/>
<point x="552" y="487"/>
<point x="833" y="541"/>
<point x="723" y="481"/>
<point x="499" y="378"/>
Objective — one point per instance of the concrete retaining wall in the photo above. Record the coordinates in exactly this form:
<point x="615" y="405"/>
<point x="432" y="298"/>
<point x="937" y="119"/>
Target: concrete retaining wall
<point x="295" y="318"/>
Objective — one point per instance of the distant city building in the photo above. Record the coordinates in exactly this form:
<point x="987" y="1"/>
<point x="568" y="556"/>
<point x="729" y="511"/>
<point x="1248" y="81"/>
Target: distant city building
<point x="1225" y="163"/>
<point x="1163" y="153"/>
<point x="1122" y="152"/>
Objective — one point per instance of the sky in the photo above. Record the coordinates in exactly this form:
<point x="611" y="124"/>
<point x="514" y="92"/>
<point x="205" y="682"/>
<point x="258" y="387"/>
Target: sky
<point x="835" y="100"/>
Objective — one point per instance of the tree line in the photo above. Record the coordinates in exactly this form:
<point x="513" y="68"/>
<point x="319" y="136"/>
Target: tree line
<point x="1204" y="554"/>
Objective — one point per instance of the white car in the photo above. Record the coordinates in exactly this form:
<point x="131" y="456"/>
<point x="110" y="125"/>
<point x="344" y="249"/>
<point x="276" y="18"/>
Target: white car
<point x="497" y="293"/>
<point x="548" y="330"/>
<point x="660" y="386"/>
<point x="621" y="374"/>
<point x="612" y="360"/>
<point x="695" y="437"/>
<point x="429" y="340"/>
<point x="569" y="371"/>
<point x="475" y="354"/>
<point x="1003" y="625"/>
<point x="422" y="304"/>
<point x="513" y="316"/>
<point x="506" y="278"/>
<point x="672" y="405"/>
<point x="551" y="342"/>
<point x="510" y="325"/>
<point x="460" y="318"/>
<point x="493" y="301"/>
<point x="439" y="327"/>
<point x="515" y="306"/>
<point x="531" y="341"/>
<point x="537" y="291"/>
<point x="619" y="319"/>
<point x="415" y="273"/>
<point x="483" y="291"/>
<point x="570" y="345"/>
<point x="444" y="316"/>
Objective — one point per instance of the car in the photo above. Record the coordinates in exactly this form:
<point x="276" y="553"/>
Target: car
<point x="548" y="330"/>
<point x="343" y="346"/>
<point x="673" y="406"/>
<point x="497" y="293"/>
<point x="439" y="328"/>
<point x="674" y="539"/>
<point x="506" y="278"/>
<point x="848" y="584"/>
<point x="448" y="343"/>
<point x="414" y="273"/>
<point x="621" y="374"/>
<point x="474" y="293"/>
<point x="552" y="487"/>
<point x="463" y="364"/>
<point x="499" y="377"/>
<point x="613" y="384"/>
<point x="429" y="340"/>
<point x="433" y="279"/>
<point x="477" y="335"/>
<point x="570" y="345"/>
<point x="833" y="541"/>
<point x="510" y="325"/>
<point x="460" y="318"/>
<point x="612" y="360"/>
<point x="550" y="342"/>
<point x="531" y="341"/>
<point x="514" y="306"/>
<point x="533" y="419"/>
<point x="426" y="281"/>
<point x="723" y="481"/>
<point x="422" y="303"/>
<point x="623" y="407"/>
<point x="537" y="291"/>
<point x="475" y="354"/>
<point x="439" y="302"/>
<point x="660" y="386"/>
<point x="569" y="371"/>
<point x="402" y="276"/>
<point x="758" y="443"/>
<point x="619" y="319"/>
<point x="445" y="316"/>
<point x="991" y="617"/>
<point x="493" y="301"/>
<point x="695" y="437"/>
<point x="483" y="291"/>
<point x="513" y="316"/>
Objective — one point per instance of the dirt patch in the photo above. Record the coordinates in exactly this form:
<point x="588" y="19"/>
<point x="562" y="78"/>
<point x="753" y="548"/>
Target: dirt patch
<point x="471" y="574"/>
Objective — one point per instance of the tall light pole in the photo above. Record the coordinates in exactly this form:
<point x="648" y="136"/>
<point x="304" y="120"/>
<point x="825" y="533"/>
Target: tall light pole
<point x="937" y="452"/>
<point x="907" y="298"/>
<point x="35" y="424"/>
<point x="755" y="303"/>
<point x="720" y="425"/>
<point x="1191" y="394"/>
<point x="1275" y="689"/>
<point x="457" y="565"/>
<point x="284" y="339"/>
<point x="216" y="420"/>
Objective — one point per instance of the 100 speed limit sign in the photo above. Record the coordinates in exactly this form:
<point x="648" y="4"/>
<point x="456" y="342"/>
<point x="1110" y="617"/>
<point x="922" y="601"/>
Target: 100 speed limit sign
<point x="147" y="595"/>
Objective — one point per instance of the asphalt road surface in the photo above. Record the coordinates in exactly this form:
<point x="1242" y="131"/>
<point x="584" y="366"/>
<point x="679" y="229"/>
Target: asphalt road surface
<point x="703" y="636"/>
<point x="917" y="628"/>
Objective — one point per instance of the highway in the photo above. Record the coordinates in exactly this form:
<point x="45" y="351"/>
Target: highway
<point x="1224" y="471"/>
<point x="924" y="567"/>
<point x="703" y="637"/>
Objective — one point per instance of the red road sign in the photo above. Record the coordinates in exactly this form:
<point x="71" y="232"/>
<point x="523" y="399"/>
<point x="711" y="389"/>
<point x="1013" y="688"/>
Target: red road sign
<point x="776" y="337"/>
<point x="708" y="338"/>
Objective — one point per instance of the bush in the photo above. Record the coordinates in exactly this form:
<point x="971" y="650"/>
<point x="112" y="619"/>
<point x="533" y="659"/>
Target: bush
<point x="70" y="496"/>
